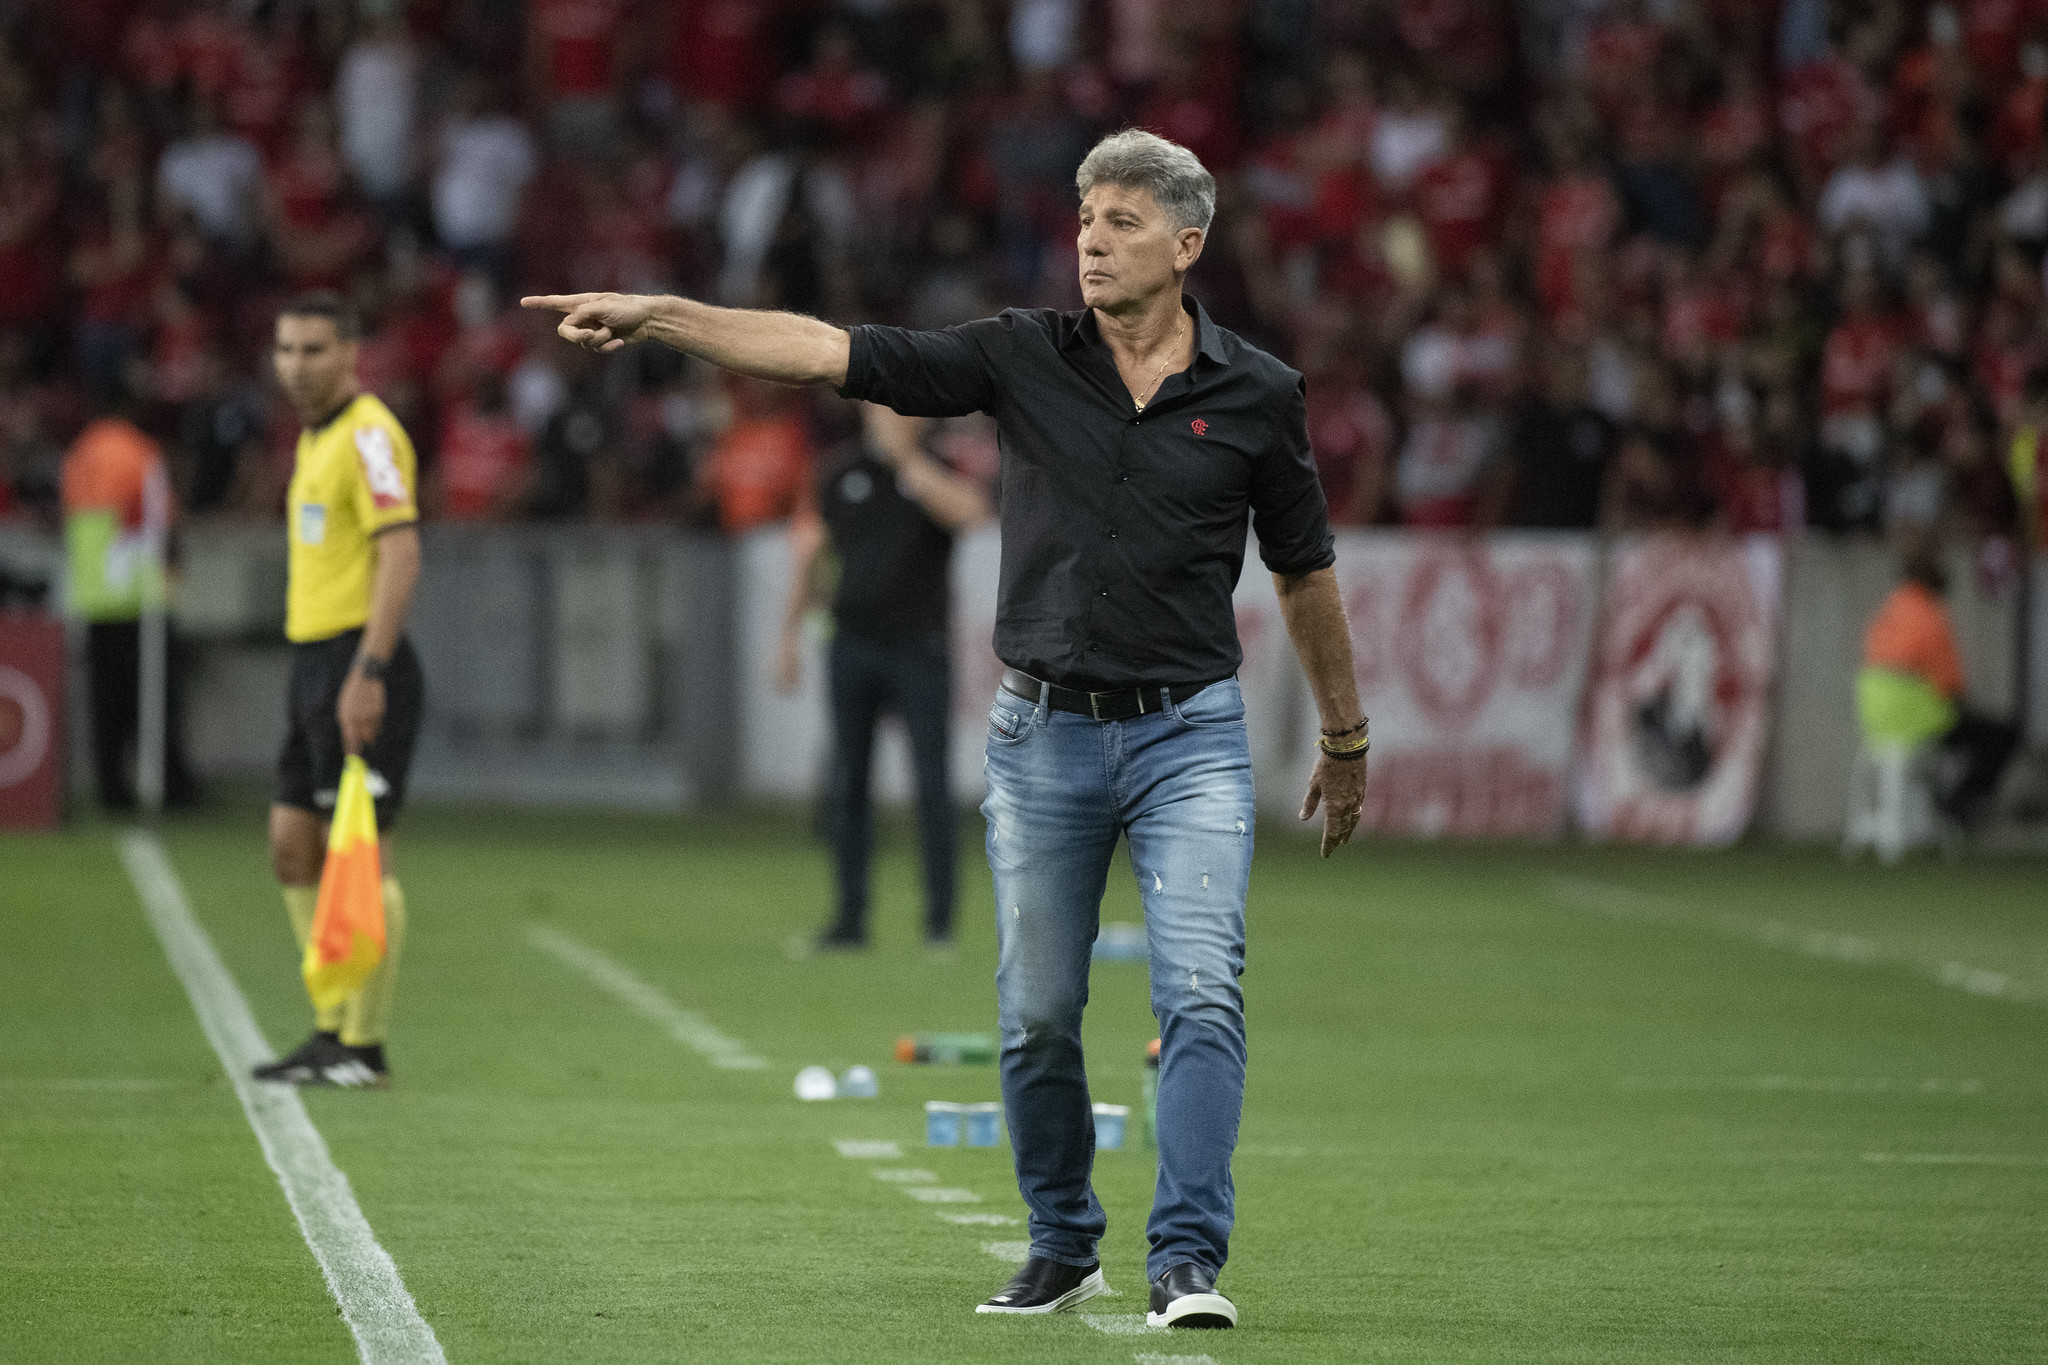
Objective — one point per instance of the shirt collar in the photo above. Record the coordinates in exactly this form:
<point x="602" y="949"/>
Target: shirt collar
<point x="331" y="418"/>
<point x="1084" y="331"/>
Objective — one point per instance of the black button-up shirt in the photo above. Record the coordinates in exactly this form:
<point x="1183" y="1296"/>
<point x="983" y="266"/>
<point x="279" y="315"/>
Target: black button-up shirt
<point x="1123" y="531"/>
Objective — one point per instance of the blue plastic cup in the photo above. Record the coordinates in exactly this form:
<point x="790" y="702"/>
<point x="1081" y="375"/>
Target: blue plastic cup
<point x="941" y="1124"/>
<point x="984" y="1124"/>
<point x="1109" y="1126"/>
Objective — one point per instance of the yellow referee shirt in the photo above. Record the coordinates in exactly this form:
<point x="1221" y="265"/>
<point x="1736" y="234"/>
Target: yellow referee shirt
<point x="353" y="477"/>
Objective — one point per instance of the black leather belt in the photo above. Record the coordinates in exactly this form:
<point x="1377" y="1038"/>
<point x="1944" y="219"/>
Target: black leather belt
<point x="1122" y="704"/>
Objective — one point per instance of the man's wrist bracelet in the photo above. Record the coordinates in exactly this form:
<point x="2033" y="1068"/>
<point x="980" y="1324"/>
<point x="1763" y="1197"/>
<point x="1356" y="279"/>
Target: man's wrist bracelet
<point x="1363" y="721"/>
<point x="1345" y="755"/>
<point x="372" y="667"/>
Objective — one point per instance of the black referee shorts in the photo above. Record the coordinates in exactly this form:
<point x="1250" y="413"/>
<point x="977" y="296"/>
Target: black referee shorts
<point x="309" y="769"/>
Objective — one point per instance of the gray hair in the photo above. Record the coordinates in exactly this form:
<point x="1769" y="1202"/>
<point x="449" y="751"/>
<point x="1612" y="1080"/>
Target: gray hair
<point x="1138" y="160"/>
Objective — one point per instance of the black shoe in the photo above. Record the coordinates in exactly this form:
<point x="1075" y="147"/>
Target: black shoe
<point x="1185" y="1296"/>
<point x="840" y="941"/>
<point x="360" y="1068"/>
<point x="304" y="1064"/>
<point x="1044" y="1286"/>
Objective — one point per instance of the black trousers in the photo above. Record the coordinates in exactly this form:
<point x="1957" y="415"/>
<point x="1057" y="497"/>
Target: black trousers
<point x="1985" y="746"/>
<point x="867" y="680"/>
<point x="113" y="665"/>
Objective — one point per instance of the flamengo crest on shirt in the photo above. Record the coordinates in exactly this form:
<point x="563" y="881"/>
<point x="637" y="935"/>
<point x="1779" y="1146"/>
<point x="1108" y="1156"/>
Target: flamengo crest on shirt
<point x="380" y="467"/>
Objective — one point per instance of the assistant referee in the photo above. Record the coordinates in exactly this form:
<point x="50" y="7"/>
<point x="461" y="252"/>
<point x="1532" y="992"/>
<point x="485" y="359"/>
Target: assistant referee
<point x="355" y="684"/>
<point x="1140" y="441"/>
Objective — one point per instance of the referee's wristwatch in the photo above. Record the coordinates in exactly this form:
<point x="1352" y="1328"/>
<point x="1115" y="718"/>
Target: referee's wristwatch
<point x="372" y="667"/>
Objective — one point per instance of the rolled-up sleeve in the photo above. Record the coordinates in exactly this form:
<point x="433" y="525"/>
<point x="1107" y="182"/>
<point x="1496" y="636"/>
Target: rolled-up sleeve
<point x="944" y="373"/>
<point x="1289" y="515"/>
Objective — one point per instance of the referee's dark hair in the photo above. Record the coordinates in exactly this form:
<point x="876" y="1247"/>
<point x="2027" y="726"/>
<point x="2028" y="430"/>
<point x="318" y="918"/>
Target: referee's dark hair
<point x="325" y="303"/>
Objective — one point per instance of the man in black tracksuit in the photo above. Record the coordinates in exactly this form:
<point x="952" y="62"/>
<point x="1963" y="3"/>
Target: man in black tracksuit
<point x="891" y="512"/>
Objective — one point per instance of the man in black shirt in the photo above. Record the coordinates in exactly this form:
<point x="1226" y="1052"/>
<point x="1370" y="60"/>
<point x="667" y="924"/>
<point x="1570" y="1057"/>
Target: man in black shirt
<point x="1139" y="440"/>
<point x="1562" y="447"/>
<point x="891" y="512"/>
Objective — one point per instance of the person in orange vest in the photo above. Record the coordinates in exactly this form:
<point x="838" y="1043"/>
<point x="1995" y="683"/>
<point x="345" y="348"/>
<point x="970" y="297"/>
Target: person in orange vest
<point x="1910" y="691"/>
<point x="117" y="517"/>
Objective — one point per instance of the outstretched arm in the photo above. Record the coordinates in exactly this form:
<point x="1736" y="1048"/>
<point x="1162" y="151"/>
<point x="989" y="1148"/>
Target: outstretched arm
<point x="1314" y="612"/>
<point x="786" y="348"/>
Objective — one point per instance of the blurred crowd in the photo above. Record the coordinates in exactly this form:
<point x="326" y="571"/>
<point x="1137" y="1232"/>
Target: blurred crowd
<point x="1753" y="264"/>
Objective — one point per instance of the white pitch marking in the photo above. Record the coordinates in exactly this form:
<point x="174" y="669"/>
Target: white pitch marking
<point x="940" y="1194"/>
<point x="1121" y="1324"/>
<point x="906" y="1176"/>
<point x="1155" y="1358"/>
<point x="1951" y="1159"/>
<point x="860" y="1149"/>
<point x="1016" y="1253"/>
<point x="116" y="1085"/>
<point x="361" y="1275"/>
<point x="687" y="1027"/>
<point x="1625" y="902"/>
<point x="1819" y="1085"/>
<point x="980" y="1220"/>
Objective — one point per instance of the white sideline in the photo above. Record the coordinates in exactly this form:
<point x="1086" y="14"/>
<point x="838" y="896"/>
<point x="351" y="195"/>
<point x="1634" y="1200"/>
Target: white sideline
<point x="360" y="1274"/>
<point x="1626" y="902"/>
<point x="1122" y="1325"/>
<point x="613" y="977"/>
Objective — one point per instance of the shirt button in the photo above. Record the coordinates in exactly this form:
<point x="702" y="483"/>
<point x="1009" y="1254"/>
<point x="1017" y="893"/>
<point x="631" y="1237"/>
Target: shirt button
<point x="1093" y="646"/>
<point x="1105" y="592"/>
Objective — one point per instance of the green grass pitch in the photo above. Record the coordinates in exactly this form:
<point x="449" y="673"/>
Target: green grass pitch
<point x="1505" y="1104"/>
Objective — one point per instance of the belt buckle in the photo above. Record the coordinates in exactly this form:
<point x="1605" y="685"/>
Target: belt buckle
<point x="1095" y="705"/>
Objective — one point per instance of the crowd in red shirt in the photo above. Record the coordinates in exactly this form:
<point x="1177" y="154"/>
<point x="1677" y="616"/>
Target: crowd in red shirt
<point x="1754" y="265"/>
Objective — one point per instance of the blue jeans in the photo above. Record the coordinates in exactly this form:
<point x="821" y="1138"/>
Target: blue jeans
<point x="1177" y="783"/>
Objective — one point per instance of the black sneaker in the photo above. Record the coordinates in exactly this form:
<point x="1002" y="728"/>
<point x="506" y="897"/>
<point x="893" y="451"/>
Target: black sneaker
<point x="362" y="1068"/>
<point x="302" y="1067"/>
<point x="1185" y="1296"/>
<point x="839" y="941"/>
<point x="1045" y="1286"/>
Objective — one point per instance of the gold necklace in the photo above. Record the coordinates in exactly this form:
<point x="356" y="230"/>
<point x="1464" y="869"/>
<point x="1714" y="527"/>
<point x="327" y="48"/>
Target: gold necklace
<point x="1172" y="351"/>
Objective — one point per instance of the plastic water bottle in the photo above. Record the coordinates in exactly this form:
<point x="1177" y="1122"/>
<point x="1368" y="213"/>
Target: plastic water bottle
<point x="1152" y="1095"/>
<point x="1109" y="1126"/>
<point x="946" y="1049"/>
<point x="984" y="1124"/>
<point x="941" y="1123"/>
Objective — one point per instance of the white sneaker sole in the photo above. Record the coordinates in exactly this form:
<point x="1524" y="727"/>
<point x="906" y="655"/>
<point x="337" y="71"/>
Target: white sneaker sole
<point x="1196" y="1310"/>
<point x="1074" y="1297"/>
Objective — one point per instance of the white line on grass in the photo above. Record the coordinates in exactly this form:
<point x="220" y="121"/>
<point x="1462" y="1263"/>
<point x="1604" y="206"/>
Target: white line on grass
<point x="1155" y="1358"/>
<point x="905" y="1176"/>
<point x="860" y="1149"/>
<point x="1817" y="1085"/>
<point x="1626" y="902"/>
<point x="939" y="1194"/>
<point x="981" y="1220"/>
<point x="1951" y="1159"/>
<point x="613" y="977"/>
<point x="1122" y="1324"/>
<point x="1016" y="1253"/>
<point x="361" y="1274"/>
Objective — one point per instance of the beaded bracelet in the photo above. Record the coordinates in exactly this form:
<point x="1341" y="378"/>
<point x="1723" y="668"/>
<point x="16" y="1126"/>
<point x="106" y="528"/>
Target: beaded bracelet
<point x="1363" y="721"/>
<point x="1346" y="755"/>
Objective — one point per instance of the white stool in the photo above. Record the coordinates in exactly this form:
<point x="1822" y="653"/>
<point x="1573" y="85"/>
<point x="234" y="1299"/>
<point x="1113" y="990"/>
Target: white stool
<point x="1891" y="804"/>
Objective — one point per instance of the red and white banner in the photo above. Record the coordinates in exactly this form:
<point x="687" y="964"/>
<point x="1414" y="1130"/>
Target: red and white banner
<point x="31" y="721"/>
<point x="1680" y="697"/>
<point x="1471" y="653"/>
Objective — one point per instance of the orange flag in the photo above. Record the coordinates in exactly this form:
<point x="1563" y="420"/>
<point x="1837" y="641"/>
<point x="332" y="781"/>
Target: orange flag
<point x="348" y="919"/>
